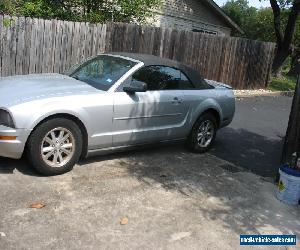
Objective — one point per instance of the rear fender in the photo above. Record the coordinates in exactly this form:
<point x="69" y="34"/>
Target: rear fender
<point x="202" y="108"/>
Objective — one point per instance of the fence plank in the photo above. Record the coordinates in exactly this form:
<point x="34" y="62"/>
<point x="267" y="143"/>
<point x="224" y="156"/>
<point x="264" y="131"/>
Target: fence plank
<point x="6" y="48"/>
<point x="1" y="44"/>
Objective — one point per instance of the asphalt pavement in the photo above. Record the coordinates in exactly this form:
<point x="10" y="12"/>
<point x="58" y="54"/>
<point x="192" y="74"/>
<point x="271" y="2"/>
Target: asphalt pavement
<point x="159" y="198"/>
<point x="255" y="138"/>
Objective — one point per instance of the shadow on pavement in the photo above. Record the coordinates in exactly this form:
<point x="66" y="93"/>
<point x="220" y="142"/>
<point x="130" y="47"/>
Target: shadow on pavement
<point x="243" y="201"/>
<point x="253" y="152"/>
<point x="7" y="166"/>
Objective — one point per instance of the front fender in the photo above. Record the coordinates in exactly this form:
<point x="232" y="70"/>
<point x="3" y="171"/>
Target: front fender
<point x="40" y="110"/>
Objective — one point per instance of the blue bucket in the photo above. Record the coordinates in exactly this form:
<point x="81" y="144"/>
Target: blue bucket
<point x="288" y="190"/>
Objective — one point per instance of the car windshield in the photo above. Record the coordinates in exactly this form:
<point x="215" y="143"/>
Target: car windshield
<point x="103" y="71"/>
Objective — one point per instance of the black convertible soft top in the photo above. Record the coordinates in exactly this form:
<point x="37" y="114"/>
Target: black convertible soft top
<point x="150" y="60"/>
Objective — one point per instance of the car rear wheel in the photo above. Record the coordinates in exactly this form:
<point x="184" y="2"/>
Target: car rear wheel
<point x="203" y="133"/>
<point x="55" y="146"/>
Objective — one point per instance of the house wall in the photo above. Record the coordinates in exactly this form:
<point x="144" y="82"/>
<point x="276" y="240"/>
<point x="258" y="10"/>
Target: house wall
<point x="189" y="15"/>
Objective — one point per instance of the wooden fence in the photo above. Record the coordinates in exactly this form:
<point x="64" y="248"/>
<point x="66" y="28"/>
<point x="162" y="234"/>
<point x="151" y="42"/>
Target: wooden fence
<point x="43" y="46"/>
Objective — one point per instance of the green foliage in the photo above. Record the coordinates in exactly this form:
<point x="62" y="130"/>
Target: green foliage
<point x="82" y="10"/>
<point x="284" y="83"/>
<point x="243" y="15"/>
<point x="8" y="6"/>
<point x="258" y="24"/>
<point x="6" y="22"/>
<point x="264" y="28"/>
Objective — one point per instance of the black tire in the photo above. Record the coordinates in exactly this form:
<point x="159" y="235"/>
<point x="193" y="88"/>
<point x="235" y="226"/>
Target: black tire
<point x="192" y="141"/>
<point x="36" y="139"/>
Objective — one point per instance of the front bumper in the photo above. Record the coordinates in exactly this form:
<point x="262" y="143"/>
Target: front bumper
<point x="13" y="148"/>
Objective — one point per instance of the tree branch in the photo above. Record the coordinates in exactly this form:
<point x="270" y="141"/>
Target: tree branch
<point x="277" y="21"/>
<point x="291" y="24"/>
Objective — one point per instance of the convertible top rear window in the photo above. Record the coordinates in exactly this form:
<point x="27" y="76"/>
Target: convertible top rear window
<point x="102" y="72"/>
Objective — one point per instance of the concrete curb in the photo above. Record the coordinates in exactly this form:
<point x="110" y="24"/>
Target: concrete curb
<point x="257" y="94"/>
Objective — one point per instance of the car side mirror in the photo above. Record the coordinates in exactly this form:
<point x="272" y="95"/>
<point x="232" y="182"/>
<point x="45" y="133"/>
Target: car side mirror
<point x="135" y="86"/>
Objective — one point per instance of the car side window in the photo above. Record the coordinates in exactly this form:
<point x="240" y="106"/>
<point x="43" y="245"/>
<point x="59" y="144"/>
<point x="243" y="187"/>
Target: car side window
<point x="162" y="78"/>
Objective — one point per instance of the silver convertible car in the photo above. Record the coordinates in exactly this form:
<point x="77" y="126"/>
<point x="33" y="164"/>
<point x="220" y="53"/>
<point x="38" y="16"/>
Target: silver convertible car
<point x="110" y="102"/>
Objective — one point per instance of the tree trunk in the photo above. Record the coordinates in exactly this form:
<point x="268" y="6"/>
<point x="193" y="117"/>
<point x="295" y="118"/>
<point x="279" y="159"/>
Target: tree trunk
<point x="295" y="63"/>
<point x="284" y="39"/>
<point x="280" y="57"/>
<point x="292" y="138"/>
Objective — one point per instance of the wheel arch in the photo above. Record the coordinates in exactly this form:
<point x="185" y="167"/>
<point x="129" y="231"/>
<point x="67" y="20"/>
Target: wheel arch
<point x="73" y="118"/>
<point x="215" y="113"/>
<point x="209" y="110"/>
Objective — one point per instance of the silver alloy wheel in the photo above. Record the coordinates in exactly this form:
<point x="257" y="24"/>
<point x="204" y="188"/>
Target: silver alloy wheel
<point x="205" y="133"/>
<point x="58" y="147"/>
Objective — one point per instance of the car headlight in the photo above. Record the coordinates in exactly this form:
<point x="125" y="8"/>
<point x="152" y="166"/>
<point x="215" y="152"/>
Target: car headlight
<point x="6" y="119"/>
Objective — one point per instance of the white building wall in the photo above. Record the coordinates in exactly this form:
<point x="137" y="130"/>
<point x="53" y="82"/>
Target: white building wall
<point x="189" y="15"/>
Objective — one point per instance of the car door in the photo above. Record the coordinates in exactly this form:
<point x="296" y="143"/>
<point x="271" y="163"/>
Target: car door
<point x="155" y="115"/>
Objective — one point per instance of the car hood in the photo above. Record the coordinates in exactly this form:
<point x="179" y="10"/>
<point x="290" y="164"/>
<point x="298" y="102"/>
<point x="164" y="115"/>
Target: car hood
<point x="23" y="88"/>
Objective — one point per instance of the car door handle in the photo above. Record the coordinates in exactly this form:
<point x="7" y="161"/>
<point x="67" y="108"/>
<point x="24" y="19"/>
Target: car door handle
<point x="177" y="100"/>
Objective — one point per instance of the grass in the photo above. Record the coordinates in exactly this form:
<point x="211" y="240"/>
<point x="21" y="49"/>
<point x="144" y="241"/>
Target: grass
<point x="284" y="83"/>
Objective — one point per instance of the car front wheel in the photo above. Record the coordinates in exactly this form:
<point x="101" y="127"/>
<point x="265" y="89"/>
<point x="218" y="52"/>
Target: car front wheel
<point x="203" y="133"/>
<point x="55" y="146"/>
